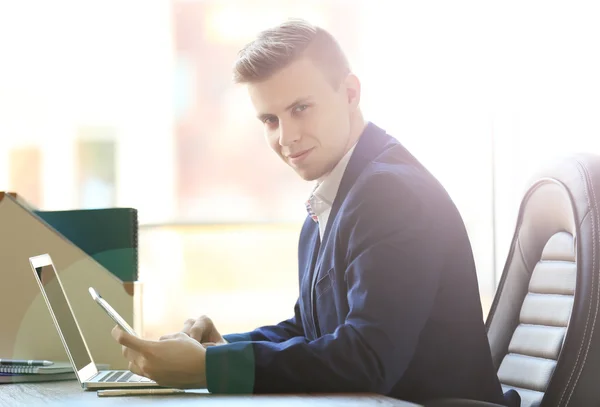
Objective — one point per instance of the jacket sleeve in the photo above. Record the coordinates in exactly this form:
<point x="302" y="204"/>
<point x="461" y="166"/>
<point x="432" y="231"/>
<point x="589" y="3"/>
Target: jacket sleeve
<point x="274" y="333"/>
<point x="392" y="282"/>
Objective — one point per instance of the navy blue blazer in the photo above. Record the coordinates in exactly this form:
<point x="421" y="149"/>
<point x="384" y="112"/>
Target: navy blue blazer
<point x="388" y="302"/>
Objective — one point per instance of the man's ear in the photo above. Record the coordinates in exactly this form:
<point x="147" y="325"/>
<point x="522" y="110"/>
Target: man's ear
<point x="352" y="86"/>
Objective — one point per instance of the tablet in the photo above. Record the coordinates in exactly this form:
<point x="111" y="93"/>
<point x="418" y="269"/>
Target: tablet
<point x="111" y="312"/>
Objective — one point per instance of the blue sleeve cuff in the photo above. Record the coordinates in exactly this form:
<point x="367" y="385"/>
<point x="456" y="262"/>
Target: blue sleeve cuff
<point x="231" y="338"/>
<point x="230" y="368"/>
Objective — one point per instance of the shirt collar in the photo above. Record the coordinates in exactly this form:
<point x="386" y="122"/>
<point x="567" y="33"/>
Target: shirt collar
<point x="327" y="187"/>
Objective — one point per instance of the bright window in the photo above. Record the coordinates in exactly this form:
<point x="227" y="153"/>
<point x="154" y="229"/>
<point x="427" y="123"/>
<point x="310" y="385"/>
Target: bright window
<point x="130" y="103"/>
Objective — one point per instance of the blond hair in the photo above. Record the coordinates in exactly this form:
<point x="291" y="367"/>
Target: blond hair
<point x="277" y="47"/>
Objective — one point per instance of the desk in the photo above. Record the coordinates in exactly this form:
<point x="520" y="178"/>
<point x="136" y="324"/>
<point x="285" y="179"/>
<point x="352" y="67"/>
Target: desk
<point x="69" y="393"/>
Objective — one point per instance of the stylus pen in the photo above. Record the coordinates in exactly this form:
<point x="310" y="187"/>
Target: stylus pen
<point x="137" y="392"/>
<point x="18" y="362"/>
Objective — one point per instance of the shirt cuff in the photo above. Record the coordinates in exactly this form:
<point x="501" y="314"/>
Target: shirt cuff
<point x="231" y="338"/>
<point x="230" y="368"/>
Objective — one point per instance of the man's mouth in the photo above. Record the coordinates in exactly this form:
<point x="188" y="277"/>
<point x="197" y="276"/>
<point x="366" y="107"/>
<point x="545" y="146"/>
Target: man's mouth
<point x="299" y="156"/>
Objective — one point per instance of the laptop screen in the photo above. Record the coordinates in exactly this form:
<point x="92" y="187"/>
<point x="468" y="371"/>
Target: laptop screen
<point x="64" y="316"/>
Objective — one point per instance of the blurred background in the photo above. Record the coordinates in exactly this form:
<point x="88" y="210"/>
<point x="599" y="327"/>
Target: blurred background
<point x="130" y="103"/>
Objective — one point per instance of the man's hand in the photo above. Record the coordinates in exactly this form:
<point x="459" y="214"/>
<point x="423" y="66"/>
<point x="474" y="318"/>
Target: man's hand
<point x="174" y="361"/>
<point x="203" y="330"/>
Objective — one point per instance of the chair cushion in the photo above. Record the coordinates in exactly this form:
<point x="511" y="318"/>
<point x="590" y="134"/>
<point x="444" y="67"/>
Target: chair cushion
<point x="542" y="325"/>
<point x="536" y="342"/>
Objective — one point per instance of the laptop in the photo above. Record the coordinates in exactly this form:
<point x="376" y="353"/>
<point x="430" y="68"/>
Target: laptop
<point x="71" y="336"/>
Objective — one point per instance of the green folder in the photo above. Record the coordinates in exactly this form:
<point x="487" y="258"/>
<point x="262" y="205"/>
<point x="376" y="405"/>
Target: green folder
<point x="110" y="236"/>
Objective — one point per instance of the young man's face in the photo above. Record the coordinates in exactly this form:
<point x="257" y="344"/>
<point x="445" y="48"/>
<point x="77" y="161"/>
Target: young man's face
<point x="307" y="122"/>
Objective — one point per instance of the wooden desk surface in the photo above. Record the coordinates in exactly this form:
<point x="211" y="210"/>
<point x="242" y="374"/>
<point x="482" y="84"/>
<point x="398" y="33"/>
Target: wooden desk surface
<point x="69" y="393"/>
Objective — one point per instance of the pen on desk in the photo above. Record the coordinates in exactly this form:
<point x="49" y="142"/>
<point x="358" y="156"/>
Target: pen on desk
<point x="137" y="392"/>
<point x="19" y="362"/>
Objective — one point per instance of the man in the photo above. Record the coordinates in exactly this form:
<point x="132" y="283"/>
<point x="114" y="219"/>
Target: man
<point x="388" y="299"/>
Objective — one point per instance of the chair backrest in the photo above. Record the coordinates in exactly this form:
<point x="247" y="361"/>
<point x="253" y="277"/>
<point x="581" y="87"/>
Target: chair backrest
<point x="543" y="326"/>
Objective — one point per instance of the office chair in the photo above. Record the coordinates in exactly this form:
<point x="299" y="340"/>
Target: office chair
<point x="544" y="323"/>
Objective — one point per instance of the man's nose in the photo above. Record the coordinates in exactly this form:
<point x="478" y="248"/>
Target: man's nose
<point x="288" y="134"/>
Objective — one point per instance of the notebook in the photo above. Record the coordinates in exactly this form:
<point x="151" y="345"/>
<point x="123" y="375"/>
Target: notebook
<point x="23" y="374"/>
<point x="57" y="367"/>
<point x="24" y="378"/>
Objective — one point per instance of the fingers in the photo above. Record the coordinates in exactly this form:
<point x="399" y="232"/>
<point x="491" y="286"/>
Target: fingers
<point x="187" y="325"/>
<point x="169" y="336"/>
<point x="175" y="336"/>
<point x="130" y="354"/>
<point x="133" y="367"/>
<point x="130" y="341"/>
<point x="202" y="328"/>
<point x="134" y="349"/>
<point x="207" y="344"/>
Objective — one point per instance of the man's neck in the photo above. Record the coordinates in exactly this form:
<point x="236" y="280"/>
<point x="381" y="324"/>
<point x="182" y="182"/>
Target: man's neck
<point x="357" y="127"/>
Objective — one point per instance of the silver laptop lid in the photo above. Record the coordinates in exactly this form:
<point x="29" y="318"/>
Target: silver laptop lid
<point x="63" y="317"/>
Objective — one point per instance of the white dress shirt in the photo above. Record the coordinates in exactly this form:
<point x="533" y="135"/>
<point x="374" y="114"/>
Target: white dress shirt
<point x="327" y="187"/>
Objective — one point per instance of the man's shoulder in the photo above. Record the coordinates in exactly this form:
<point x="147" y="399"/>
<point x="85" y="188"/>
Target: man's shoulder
<point x="396" y="186"/>
<point x="396" y="170"/>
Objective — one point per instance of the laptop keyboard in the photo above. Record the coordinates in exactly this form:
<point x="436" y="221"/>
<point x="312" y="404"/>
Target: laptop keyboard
<point x="124" y="376"/>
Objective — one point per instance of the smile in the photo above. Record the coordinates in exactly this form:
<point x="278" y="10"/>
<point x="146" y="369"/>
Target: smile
<point x="298" y="157"/>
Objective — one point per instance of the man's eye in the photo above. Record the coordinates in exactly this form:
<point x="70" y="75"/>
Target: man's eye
<point x="300" y="108"/>
<point x="270" y="120"/>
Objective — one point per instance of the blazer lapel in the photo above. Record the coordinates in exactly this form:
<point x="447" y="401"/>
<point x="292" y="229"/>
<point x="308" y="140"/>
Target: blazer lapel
<point x="371" y="144"/>
<point x="309" y="246"/>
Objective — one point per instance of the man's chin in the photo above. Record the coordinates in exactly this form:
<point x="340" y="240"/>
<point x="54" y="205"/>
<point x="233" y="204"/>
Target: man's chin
<point x="307" y="175"/>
